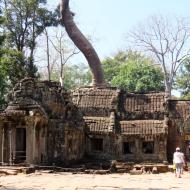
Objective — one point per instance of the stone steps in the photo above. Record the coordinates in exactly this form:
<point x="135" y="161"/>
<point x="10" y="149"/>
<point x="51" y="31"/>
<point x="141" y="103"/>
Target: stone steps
<point x="9" y="171"/>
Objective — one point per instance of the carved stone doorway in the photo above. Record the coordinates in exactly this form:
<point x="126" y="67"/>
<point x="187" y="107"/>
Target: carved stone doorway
<point x="20" y="155"/>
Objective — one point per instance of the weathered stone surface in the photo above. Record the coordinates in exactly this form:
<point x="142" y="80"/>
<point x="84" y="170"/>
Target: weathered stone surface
<point x="101" y="123"/>
<point x="9" y="171"/>
<point x="95" y="102"/>
<point x="136" y="172"/>
<point x="155" y="170"/>
<point x="114" y="118"/>
<point x="41" y="125"/>
<point x="97" y="171"/>
<point x="28" y="170"/>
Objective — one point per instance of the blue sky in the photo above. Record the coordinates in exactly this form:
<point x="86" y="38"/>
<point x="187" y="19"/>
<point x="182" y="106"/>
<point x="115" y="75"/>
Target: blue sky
<point x="108" y="21"/>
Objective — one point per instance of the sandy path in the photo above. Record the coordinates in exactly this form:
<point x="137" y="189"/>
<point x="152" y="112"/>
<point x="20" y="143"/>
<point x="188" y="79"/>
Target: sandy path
<point x="69" y="181"/>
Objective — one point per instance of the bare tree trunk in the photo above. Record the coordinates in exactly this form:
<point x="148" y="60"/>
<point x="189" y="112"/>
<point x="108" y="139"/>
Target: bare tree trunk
<point x="48" y="55"/>
<point x="31" y="66"/>
<point x="82" y="43"/>
<point x="168" y="88"/>
<point x="61" y="77"/>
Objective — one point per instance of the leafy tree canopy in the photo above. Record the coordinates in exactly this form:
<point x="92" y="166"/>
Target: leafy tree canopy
<point x="21" y="22"/>
<point x="11" y="70"/>
<point x="74" y="76"/>
<point x="133" y="72"/>
<point x="2" y="72"/>
<point x="183" y="80"/>
<point x="25" y="21"/>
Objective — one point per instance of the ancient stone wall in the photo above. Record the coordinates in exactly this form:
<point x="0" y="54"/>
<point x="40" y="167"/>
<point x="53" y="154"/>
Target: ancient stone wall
<point x="96" y="103"/>
<point x="105" y="123"/>
<point x="118" y="124"/>
<point x="179" y="114"/>
<point x="143" y="106"/>
<point x="45" y="111"/>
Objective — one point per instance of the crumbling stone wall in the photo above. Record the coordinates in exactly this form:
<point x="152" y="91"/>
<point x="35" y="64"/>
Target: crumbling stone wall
<point x="95" y="102"/>
<point x="44" y="109"/>
<point x="115" y="118"/>
<point x="104" y="123"/>
<point x="143" y="106"/>
<point x="179" y="122"/>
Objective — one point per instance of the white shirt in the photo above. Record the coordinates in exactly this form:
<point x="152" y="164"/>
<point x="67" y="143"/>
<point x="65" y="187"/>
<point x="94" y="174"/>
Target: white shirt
<point x="178" y="158"/>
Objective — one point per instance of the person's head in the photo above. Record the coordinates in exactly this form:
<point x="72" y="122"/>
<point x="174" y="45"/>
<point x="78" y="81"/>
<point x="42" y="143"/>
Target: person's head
<point x="177" y="149"/>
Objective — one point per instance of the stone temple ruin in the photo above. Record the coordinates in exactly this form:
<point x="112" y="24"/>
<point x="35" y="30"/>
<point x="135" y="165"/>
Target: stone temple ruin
<point x="44" y="124"/>
<point x="40" y="125"/>
<point x="121" y="126"/>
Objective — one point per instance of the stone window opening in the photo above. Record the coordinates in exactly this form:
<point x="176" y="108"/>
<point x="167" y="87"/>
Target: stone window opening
<point x="97" y="144"/>
<point x="148" y="147"/>
<point x="128" y="147"/>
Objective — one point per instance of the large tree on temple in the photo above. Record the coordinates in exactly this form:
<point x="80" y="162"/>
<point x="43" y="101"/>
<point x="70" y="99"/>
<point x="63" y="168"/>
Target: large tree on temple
<point x="82" y="43"/>
<point x="24" y="23"/>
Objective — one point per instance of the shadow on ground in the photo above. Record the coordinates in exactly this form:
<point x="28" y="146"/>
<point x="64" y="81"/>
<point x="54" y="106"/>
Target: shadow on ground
<point x="14" y="188"/>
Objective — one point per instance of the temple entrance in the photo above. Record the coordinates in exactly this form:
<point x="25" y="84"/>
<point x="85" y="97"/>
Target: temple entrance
<point x="97" y="144"/>
<point x="20" y="154"/>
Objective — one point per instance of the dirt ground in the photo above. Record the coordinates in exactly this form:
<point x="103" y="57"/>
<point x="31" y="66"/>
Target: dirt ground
<point x="69" y="181"/>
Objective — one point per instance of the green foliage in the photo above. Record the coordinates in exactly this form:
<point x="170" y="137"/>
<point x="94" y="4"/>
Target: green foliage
<point x="31" y="68"/>
<point x="12" y="69"/>
<point x="2" y="87"/>
<point x="74" y="76"/>
<point x="2" y="72"/>
<point x="21" y="22"/>
<point x="183" y="80"/>
<point x="25" y="21"/>
<point x="133" y="72"/>
<point x="13" y="66"/>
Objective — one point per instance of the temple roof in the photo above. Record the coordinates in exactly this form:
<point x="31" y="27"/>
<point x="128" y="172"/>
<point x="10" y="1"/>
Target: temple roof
<point x="98" y="124"/>
<point x="95" y="102"/>
<point x="151" y="102"/>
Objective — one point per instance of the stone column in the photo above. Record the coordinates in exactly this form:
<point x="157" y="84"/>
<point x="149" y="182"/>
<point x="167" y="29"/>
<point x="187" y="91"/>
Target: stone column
<point x="29" y="143"/>
<point x="2" y="145"/>
<point x="10" y="145"/>
<point x="138" y="151"/>
<point x="34" y="142"/>
<point x="14" y="144"/>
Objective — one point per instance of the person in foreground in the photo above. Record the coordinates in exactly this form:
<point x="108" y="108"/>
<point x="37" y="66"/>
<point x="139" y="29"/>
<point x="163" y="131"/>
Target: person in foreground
<point x="179" y="162"/>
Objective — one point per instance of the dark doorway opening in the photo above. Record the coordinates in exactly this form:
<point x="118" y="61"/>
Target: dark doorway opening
<point x="20" y="155"/>
<point x="128" y="147"/>
<point x="97" y="144"/>
<point x="148" y="147"/>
